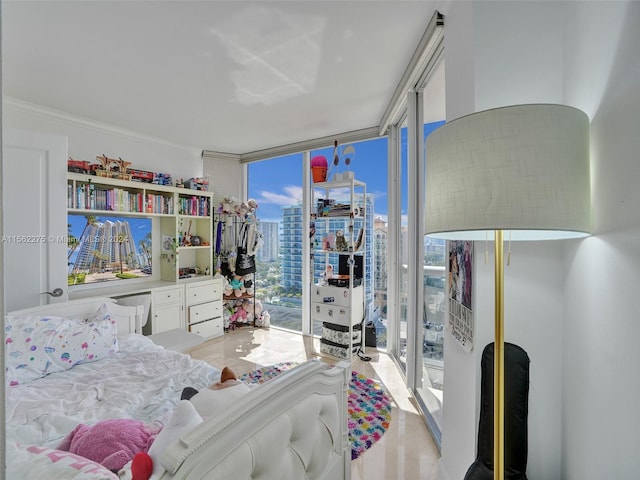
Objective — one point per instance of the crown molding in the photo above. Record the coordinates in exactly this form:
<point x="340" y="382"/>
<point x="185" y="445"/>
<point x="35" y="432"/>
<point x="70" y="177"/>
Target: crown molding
<point x="52" y="113"/>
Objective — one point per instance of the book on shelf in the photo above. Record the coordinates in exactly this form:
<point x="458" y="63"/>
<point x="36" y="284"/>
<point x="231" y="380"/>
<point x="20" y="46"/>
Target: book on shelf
<point x="87" y="197"/>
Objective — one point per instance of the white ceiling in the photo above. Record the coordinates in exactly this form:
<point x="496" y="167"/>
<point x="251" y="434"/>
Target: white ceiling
<point x="228" y="76"/>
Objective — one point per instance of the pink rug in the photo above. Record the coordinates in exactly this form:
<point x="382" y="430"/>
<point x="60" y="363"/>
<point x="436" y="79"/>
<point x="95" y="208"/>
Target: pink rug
<point x="368" y="402"/>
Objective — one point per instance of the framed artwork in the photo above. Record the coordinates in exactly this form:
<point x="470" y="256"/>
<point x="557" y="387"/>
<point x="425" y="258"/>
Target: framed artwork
<point x="167" y="244"/>
<point x="459" y="292"/>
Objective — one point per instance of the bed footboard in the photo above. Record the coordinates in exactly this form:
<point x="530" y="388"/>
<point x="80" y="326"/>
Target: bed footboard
<point x="291" y="428"/>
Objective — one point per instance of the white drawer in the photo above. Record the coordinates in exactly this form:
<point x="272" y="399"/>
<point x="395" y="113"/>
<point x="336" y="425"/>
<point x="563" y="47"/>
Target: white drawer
<point x="205" y="311"/>
<point x="201" y="293"/>
<point x="337" y="314"/>
<point x="336" y="295"/>
<point x="216" y="288"/>
<point x="208" y="329"/>
<point x="167" y="295"/>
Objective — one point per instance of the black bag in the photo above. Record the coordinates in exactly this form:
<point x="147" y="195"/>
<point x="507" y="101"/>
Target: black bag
<point x="370" y="335"/>
<point x="245" y="264"/>
<point x="225" y="268"/>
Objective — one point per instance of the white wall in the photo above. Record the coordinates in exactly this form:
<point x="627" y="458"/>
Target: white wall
<point x="226" y="176"/>
<point x="601" y="424"/>
<point x="569" y="304"/>
<point x="89" y="139"/>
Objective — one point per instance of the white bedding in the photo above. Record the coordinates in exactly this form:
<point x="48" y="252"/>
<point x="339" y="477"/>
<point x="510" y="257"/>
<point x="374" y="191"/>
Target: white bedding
<point x="141" y="381"/>
<point x="296" y="422"/>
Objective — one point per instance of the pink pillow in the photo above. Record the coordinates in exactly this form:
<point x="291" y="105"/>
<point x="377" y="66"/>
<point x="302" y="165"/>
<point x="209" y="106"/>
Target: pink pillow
<point x="47" y="463"/>
<point x="111" y="443"/>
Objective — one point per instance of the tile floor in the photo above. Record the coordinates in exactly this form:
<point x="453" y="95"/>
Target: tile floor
<point x="405" y="452"/>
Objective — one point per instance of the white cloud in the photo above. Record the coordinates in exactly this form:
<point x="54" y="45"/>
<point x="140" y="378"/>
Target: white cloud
<point x="291" y="195"/>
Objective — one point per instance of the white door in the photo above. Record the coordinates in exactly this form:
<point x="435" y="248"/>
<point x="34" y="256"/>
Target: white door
<point x="34" y="216"/>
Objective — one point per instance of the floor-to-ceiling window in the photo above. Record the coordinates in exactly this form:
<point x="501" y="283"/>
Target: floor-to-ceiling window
<point x="429" y="390"/>
<point x="406" y="272"/>
<point x="276" y="185"/>
<point x="367" y="159"/>
<point x="403" y="254"/>
<point x="417" y="262"/>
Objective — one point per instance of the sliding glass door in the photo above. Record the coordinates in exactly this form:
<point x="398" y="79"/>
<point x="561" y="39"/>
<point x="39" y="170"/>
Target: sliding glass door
<point x="400" y="321"/>
<point x="429" y="385"/>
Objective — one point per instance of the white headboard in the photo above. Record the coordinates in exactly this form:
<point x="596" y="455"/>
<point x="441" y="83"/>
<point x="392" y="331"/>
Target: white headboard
<point x="129" y="318"/>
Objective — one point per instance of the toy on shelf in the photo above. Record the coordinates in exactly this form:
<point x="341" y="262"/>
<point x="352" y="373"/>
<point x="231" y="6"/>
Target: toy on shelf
<point x="161" y="179"/>
<point x="319" y="166"/>
<point x="121" y="170"/>
<point x="81" y="166"/>
<point x="197" y="183"/>
<point x="140" y="175"/>
<point x="237" y="285"/>
<point x="346" y="154"/>
<point x="113" y="168"/>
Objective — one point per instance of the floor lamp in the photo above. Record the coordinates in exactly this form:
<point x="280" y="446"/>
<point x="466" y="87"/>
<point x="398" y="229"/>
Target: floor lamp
<point x="520" y="171"/>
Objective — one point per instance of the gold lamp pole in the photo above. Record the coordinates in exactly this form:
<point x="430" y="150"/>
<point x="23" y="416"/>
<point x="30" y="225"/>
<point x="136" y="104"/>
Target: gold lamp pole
<point x="522" y="168"/>
<point x="498" y="360"/>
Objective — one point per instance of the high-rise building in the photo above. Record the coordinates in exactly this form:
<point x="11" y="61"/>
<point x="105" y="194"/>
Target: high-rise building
<point x="380" y="267"/>
<point x="291" y="248"/>
<point x="270" y="248"/>
<point x="107" y="245"/>
<point x="291" y="238"/>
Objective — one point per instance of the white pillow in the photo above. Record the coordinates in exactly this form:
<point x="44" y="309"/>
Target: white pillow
<point x="38" y="346"/>
<point x="184" y="419"/>
<point x="104" y="312"/>
<point x="209" y="402"/>
<point x="47" y="463"/>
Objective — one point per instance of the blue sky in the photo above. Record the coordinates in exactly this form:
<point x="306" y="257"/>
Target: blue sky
<point x="276" y="183"/>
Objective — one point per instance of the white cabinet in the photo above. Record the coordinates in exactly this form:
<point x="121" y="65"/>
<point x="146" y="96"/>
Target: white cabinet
<point x="167" y="308"/>
<point x="204" y="308"/>
<point x="338" y="305"/>
<point x="338" y="266"/>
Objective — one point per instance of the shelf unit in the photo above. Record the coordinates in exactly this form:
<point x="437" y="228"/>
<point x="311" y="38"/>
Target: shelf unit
<point x="232" y="302"/>
<point x="178" y="211"/>
<point x="337" y="292"/>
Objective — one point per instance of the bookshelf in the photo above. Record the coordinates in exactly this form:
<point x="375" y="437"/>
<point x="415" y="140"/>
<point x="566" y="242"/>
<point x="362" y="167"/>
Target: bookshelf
<point x="183" y="222"/>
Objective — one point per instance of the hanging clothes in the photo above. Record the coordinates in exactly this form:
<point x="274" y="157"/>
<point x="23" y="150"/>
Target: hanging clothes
<point x="246" y="262"/>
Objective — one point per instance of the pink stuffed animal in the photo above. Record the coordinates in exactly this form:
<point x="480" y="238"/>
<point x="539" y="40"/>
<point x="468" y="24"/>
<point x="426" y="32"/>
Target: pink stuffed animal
<point x="111" y="443"/>
<point x="243" y="313"/>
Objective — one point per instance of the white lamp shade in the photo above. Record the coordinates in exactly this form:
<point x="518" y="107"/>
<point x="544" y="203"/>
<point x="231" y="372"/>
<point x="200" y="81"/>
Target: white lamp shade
<point x="523" y="168"/>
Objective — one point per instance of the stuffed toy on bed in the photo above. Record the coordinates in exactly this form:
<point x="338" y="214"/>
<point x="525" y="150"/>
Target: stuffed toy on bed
<point x="112" y="443"/>
<point x="218" y="397"/>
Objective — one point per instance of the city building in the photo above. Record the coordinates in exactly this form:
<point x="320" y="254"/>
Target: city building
<point x="269" y="251"/>
<point x="291" y="238"/>
<point x="107" y="246"/>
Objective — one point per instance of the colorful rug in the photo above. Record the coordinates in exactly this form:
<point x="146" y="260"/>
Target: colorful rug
<point x="368" y="402"/>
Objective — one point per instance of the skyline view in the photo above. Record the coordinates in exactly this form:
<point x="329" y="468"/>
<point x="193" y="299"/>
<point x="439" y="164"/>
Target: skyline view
<point x="277" y="183"/>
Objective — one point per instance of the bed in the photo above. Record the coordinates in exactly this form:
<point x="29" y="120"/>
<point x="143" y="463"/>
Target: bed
<point x="292" y="427"/>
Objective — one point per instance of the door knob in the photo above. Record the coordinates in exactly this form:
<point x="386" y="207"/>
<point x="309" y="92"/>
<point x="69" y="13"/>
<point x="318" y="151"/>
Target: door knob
<point x="57" y="292"/>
